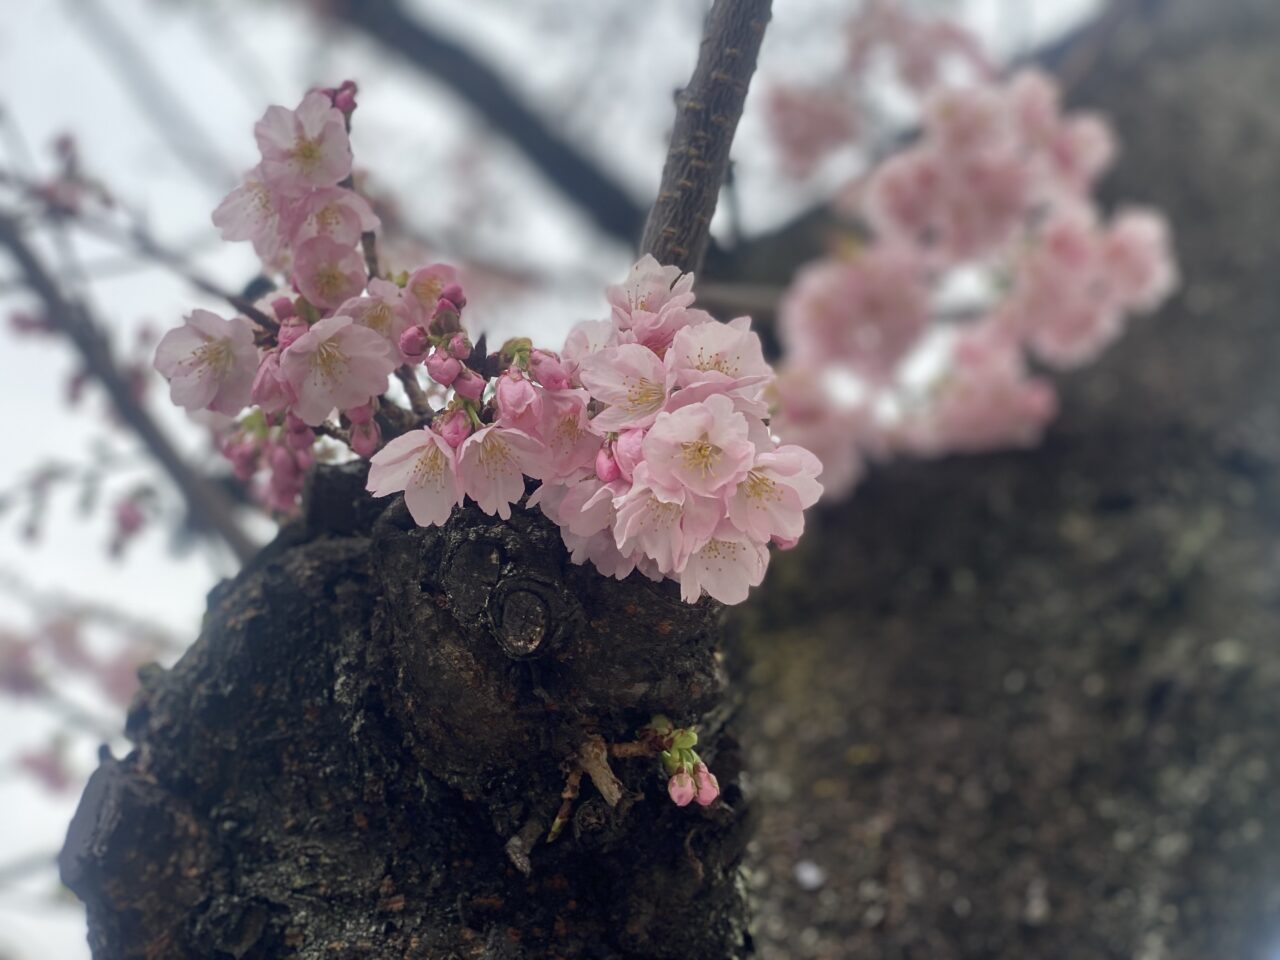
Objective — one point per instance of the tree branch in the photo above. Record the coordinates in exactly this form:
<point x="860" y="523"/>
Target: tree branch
<point x="577" y="177"/>
<point x="206" y="502"/>
<point x="707" y="114"/>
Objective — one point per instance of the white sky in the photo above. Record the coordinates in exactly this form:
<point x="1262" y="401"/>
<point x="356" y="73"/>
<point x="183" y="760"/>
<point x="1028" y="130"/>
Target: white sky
<point x="410" y="134"/>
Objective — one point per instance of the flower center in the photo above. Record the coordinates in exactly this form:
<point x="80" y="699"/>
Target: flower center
<point x="429" y="467"/>
<point x="329" y="280"/>
<point x="643" y="394"/>
<point x="330" y="361"/>
<point x="759" y="487"/>
<point x="700" y="456"/>
<point x="215" y="356"/>
<point x="495" y="456"/>
<point x="306" y="153"/>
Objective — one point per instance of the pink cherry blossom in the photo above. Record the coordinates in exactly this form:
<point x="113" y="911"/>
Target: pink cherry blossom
<point x="986" y="400"/>
<point x="725" y="567"/>
<point x="492" y="465"/>
<point x="665" y="525"/>
<point x="304" y="149"/>
<point x="703" y="447"/>
<point x="724" y="356"/>
<point x="252" y="211"/>
<point x="423" y="465"/>
<point x="566" y="431"/>
<point x="336" y="364"/>
<point x="443" y="369"/>
<point x="1139" y="259"/>
<point x="328" y="273"/>
<point x="866" y="312"/>
<point x="649" y="288"/>
<point x="209" y="362"/>
<point x="631" y="379"/>
<point x="771" y="500"/>
<point x="337" y="213"/>
<point x="381" y="311"/>
<point x="840" y="437"/>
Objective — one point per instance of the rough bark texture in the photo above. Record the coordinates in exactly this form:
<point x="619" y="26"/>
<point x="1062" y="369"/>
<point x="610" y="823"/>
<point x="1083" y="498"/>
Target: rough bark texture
<point x="363" y="752"/>
<point x="1028" y="705"/>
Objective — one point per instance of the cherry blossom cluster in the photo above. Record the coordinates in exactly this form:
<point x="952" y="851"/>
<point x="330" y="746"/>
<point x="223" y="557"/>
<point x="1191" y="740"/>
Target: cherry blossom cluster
<point x="648" y="432"/>
<point x="981" y="256"/>
<point x="810" y="121"/>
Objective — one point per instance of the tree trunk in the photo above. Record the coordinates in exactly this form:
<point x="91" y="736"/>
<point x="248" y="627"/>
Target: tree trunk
<point x="364" y="752"/>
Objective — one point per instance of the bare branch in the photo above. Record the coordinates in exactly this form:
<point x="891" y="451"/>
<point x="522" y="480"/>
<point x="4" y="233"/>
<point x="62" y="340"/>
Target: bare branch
<point x="707" y="114"/>
<point x="207" y="503"/>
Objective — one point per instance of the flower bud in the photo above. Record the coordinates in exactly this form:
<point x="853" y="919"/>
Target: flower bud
<point x="708" y="785"/>
<point x="454" y="296"/>
<point x="365" y="438"/>
<point x="290" y="330"/>
<point x="283" y="308"/>
<point x="460" y="346"/>
<point x="681" y="788"/>
<point x="628" y="450"/>
<point x="454" y="426"/>
<point x="470" y="384"/>
<point x="360" y="414"/>
<point x="413" y="344"/>
<point x="548" y="369"/>
<point x="442" y="368"/>
<point x="606" y="467"/>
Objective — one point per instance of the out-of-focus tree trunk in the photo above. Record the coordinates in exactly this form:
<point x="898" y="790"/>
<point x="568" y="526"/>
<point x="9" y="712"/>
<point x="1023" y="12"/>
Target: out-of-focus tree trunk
<point x="1028" y="705"/>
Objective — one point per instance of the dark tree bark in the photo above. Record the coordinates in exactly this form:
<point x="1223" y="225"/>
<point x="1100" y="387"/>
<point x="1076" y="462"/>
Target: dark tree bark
<point x="365" y="752"/>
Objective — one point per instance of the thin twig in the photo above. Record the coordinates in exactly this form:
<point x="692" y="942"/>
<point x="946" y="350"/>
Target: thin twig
<point x="707" y="114"/>
<point x="207" y="503"/>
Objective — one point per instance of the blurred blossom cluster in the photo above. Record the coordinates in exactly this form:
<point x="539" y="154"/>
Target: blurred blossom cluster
<point x="979" y="254"/>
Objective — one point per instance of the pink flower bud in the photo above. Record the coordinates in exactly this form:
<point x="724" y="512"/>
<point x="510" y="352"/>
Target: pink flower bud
<point x="283" y="463"/>
<point x="454" y="426"/>
<point x="345" y="100"/>
<point x="442" y="368"/>
<point x="303" y="459"/>
<point x="460" y="346"/>
<point x="627" y="450"/>
<point x="784" y="543"/>
<point x="360" y="414"/>
<point x="290" y="330"/>
<point x="454" y="296"/>
<point x="681" y="789"/>
<point x="470" y="384"/>
<point x="413" y="344"/>
<point x="365" y="438"/>
<point x="283" y="308"/>
<point x="300" y="439"/>
<point x="607" y="469"/>
<point x="548" y="370"/>
<point x="708" y="785"/>
<point x="271" y="389"/>
<point x="519" y="401"/>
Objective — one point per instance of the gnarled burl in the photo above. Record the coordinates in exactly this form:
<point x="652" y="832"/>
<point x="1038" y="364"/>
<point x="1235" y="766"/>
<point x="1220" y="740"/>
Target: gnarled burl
<point x="363" y="754"/>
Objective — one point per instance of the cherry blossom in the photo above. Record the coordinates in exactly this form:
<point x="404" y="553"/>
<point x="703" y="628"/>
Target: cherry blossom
<point x="492" y="465"/>
<point x="335" y="364"/>
<point x="209" y="362"/>
<point x="423" y="466"/>
<point x="304" y="149"/>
